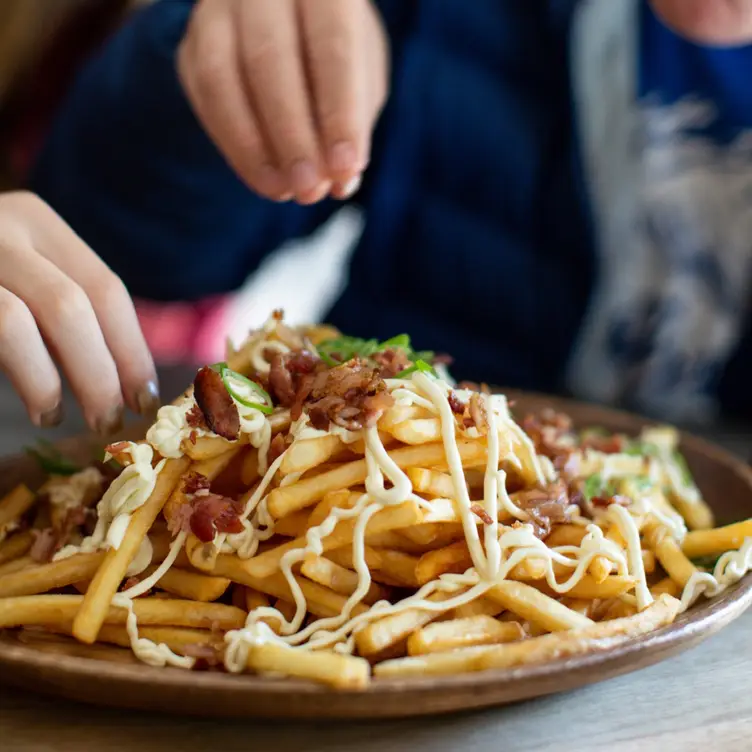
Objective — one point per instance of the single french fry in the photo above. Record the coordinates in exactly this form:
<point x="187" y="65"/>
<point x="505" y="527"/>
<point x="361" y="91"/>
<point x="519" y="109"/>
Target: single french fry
<point x="286" y="608"/>
<point x="431" y="482"/>
<point x="648" y="561"/>
<point x="424" y="534"/>
<point x="531" y="568"/>
<point x="600" y="568"/>
<point x="303" y="455"/>
<point x="13" y="506"/>
<point x="178" y="639"/>
<point x="342" y="499"/>
<point x="340" y="579"/>
<point x="566" y="535"/>
<point x="40" y="578"/>
<point x="16" y="565"/>
<point x="43" y="610"/>
<point x="555" y="646"/>
<point x="294" y="525"/>
<point x="588" y="589"/>
<point x="581" y="606"/>
<point x="385" y="632"/>
<point x="333" y="669"/>
<point x="191" y="585"/>
<point x="454" y="558"/>
<point x="15" y="546"/>
<point x="254" y="599"/>
<point x="112" y="571"/>
<point x="714" y="542"/>
<point x="477" y="607"/>
<point x="668" y="552"/>
<point x="202" y="556"/>
<point x="392" y="540"/>
<point x="388" y="567"/>
<point x="417" y="431"/>
<point x="390" y="518"/>
<point x="533" y="605"/>
<point x="399" y="414"/>
<point x="462" y="633"/>
<point x="287" y="499"/>
<point x="321" y="600"/>
<point x="667" y="586"/>
<point x="618" y="609"/>
<point x="209" y="447"/>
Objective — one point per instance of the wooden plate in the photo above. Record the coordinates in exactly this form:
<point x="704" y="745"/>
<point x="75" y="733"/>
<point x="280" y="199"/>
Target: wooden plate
<point x="114" y="678"/>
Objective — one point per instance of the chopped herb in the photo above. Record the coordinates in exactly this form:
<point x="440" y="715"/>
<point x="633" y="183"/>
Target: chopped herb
<point x="51" y="460"/>
<point x="218" y="367"/>
<point x="595" y="487"/>
<point x="265" y="406"/>
<point x="419" y="365"/>
<point x="641" y="449"/>
<point x="643" y="483"/>
<point x="681" y="463"/>
<point x="340" y="350"/>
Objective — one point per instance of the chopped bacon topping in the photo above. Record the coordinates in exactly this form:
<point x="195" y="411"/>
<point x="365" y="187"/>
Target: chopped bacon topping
<point x="545" y="506"/>
<point x="180" y="521"/>
<point x="471" y="414"/>
<point x="607" y="501"/>
<point x="546" y="431"/>
<point x="290" y="377"/>
<point x="195" y="418"/>
<point x="49" y="541"/>
<point x="212" y="514"/>
<point x="482" y="514"/>
<point x="44" y="546"/>
<point x="276" y="448"/>
<point x="213" y="399"/>
<point x="195" y="482"/>
<point x="606" y="444"/>
<point x="456" y="405"/>
<point x="391" y="362"/>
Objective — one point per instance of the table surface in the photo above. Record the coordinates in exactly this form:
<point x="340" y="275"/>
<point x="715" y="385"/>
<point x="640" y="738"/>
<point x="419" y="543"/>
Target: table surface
<point x="701" y="700"/>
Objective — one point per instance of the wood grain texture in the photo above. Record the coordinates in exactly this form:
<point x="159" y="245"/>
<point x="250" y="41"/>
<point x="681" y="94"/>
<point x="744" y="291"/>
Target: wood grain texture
<point x="724" y="480"/>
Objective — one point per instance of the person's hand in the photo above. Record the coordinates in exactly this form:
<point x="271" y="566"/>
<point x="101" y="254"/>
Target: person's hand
<point x="715" y="22"/>
<point x="59" y="300"/>
<point x="289" y="90"/>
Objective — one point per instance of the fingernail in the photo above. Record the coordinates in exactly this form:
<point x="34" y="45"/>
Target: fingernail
<point x="111" y="422"/>
<point x="321" y="191"/>
<point x="351" y="187"/>
<point x="147" y="398"/>
<point x="271" y="182"/>
<point x="342" y="157"/>
<point x="304" y="177"/>
<point x="53" y="417"/>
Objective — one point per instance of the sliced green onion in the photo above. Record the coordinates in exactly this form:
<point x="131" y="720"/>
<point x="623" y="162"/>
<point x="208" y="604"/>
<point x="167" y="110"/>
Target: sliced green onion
<point x="50" y="459"/>
<point x="419" y="365"/>
<point x="641" y="449"/>
<point x="595" y="487"/>
<point x="218" y="367"/>
<point x="401" y="340"/>
<point x="227" y="374"/>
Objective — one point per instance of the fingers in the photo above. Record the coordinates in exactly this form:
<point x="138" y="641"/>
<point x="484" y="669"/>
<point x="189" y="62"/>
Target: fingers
<point x="210" y="71"/>
<point x="347" y="86"/>
<point x="113" y="309"/>
<point x="26" y="362"/>
<point x="271" y="53"/>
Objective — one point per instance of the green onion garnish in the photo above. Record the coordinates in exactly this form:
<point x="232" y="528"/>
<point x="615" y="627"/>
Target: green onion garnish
<point x="419" y="365"/>
<point x="227" y="374"/>
<point x="50" y="459"/>
<point x="641" y="449"/>
<point x="681" y="463"/>
<point x="347" y="348"/>
<point x="595" y="487"/>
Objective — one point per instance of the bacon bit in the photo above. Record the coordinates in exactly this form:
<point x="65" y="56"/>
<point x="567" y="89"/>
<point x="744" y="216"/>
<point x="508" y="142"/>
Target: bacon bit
<point x="291" y="378"/>
<point x="481" y="513"/>
<point x="215" y="514"/>
<point x="116" y="448"/>
<point x="219" y="410"/>
<point x="130" y="582"/>
<point x="607" y="501"/>
<point x="195" y="418"/>
<point x="606" y="444"/>
<point x="391" y="362"/>
<point x="478" y="413"/>
<point x="546" y="431"/>
<point x="44" y="546"/>
<point x="195" y="482"/>
<point x="180" y="521"/>
<point x="545" y="507"/>
<point x="456" y="405"/>
<point x="193" y="437"/>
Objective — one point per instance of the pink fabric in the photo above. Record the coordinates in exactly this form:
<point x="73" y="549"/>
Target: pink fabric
<point x="185" y="332"/>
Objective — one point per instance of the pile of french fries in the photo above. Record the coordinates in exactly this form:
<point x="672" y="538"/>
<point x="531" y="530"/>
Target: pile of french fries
<point x="400" y="549"/>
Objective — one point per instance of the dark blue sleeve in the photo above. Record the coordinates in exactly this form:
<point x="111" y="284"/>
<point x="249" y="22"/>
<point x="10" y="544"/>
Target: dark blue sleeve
<point x="129" y="167"/>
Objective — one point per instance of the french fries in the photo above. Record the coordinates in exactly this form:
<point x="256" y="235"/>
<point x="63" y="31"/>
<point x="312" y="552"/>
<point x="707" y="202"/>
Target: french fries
<point x="478" y="551"/>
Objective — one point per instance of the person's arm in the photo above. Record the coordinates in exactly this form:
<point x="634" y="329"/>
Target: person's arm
<point x="715" y="22"/>
<point x="130" y="168"/>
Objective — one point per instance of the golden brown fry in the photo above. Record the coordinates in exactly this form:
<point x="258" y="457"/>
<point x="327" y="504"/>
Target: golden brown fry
<point x="388" y="630"/>
<point x="478" y="607"/>
<point x="669" y="554"/>
<point x="533" y="605"/>
<point x="454" y="558"/>
<point x="15" y="546"/>
<point x="178" y="639"/>
<point x="303" y="455"/>
<point x="431" y="482"/>
<point x="295" y="525"/>
<point x="389" y="518"/>
<point x="249" y="470"/>
<point x="556" y="646"/>
<point x="40" y="578"/>
<point x="254" y="599"/>
<point x="666" y="585"/>
<point x="340" y="579"/>
<point x="600" y="568"/>
<point x="112" y="571"/>
<point x="191" y="585"/>
<point x="566" y="535"/>
<point x="587" y="588"/>
<point x="339" y="671"/>
<point x="388" y="567"/>
<point x="417" y="431"/>
<point x="12" y="506"/>
<point x="50" y="610"/>
<point x="714" y="542"/>
<point x="288" y="499"/>
<point x="342" y="499"/>
<point x="462" y="633"/>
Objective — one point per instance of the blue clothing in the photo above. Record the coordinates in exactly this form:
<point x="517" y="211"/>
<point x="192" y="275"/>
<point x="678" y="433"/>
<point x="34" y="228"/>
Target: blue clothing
<point x="478" y="238"/>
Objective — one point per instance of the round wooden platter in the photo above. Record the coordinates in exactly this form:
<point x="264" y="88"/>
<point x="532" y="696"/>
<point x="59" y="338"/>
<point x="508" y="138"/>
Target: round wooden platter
<point x="111" y="676"/>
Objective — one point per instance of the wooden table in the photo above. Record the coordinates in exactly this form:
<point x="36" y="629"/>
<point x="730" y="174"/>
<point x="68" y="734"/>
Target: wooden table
<point x="701" y="700"/>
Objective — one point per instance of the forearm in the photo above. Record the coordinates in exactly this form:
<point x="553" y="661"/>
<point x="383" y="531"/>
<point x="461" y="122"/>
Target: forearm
<point x="714" y="22"/>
